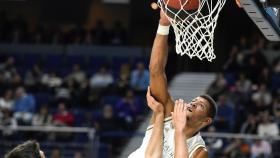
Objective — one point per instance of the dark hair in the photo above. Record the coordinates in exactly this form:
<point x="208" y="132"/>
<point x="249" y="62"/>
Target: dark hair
<point x="212" y="110"/>
<point x="28" y="149"/>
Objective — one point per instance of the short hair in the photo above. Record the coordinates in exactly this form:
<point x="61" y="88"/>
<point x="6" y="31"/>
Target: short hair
<point x="212" y="110"/>
<point x="28" y="149"/>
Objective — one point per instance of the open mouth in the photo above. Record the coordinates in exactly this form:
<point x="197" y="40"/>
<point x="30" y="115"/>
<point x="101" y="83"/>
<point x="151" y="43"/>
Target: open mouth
<point x="189" y="109"/>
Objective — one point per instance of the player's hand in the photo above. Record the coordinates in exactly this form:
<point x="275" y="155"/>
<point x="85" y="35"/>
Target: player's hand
<point x="238" y="3"/>
<point x="156" y="106"/>
<point x="163" y="19"/>
<point x="179" y="116"/>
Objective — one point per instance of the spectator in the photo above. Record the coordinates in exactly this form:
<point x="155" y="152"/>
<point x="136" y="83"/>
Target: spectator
<point x="215" y="145"/>
<point x="7" y="102"/>
<point x="267" y="128"/>
<point x="24" y="106"/>
<point x="225" y="116"/>
<point x="250" y="125"/>
<point x="128" y="107"/>
<point x="237" y="149"/>
<point x="10" y="123"/>
<point x="123" y="80"/>
<point x="102" y="79"/>
<point x="276" y="110"/>
<point x="56" y="153"/>
<point x="33" y="77"/>
<point x="8" y="69"/>
<point x="218" y="86"/>
<point x="140" y="78"/>
<point x="118" y="34"/>
<point x="77" y="75"/>
<point x="63" y="117"/>
<point x="43" y="118"/>
<point x="262" y="96"/>
<point x="100" y="34"/>
<point x="78" y="154"/>
<point x="108" y="122"/>
<point x="51" y="80"/>
<point x="261" y="149"/>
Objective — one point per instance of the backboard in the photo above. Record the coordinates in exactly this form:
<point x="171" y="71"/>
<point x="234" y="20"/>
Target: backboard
<point x="266" y="15"/>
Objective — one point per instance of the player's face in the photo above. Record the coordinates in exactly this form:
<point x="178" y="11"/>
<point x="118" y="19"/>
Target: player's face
<point x="197" y="110"/>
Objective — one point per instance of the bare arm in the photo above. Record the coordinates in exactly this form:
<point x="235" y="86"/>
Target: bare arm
<point x="155" y="145"/>
<point x="158" y="81"/>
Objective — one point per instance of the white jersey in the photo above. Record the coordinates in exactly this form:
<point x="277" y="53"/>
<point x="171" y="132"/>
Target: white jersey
<point x="193" y="143"/>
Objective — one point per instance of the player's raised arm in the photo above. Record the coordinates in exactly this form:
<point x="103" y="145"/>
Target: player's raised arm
<point x="158" y="81"/>
<point x="155" y="145"/>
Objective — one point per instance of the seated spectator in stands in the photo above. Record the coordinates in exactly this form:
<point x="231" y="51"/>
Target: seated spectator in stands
<point x="267" y="127"/>
<point x="33" y="77"/>
<point x="275" y="78"/>
<point x="8" y="121"/>
<point x="77" y="75"/>
<point x="63" y="117"/>
<point x="276" y="110"/>
<point x="7" y="101"/>
<point x="99" y="33"/>
<point x="43" y="118"/>
<point x="214" y="145"/>
<point x="140" y="78"/>
<point x="233" y="63"/>
<point x="28" y="149"/>
<point x="51" y="80"/>
<point x="78" y="154"/>
<point x="16" y="81"/>
<point x="218" y="86"/>
<point x="24" y="106"/>
<point x="101" y="79"/>
<point x="56" y="153"/>
<point x="250" y="125"/>
<point x="237" y="149"/>
<point x="255" y="61"/>
<point x="243" y="43"/>
<point x="64" y="92"/>
<point x="108" y="123"/>
<point x="118" y="34"/>
<point x="84" y="97"/>
<point x="262" y="96"/>
<point x="128" y="108"/>
<point x="122" y="82"/>
<point x="243" y="83"/>
<point x="261" y="149"/>
<point x="8" y="69"/>
<point x="225" y="116"/>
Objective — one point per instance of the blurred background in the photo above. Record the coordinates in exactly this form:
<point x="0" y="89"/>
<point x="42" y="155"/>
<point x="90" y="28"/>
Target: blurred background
<point x="73" y="75"/>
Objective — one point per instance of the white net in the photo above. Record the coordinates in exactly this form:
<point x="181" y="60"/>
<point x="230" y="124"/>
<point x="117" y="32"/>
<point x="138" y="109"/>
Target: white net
<point x="194" y="29"/>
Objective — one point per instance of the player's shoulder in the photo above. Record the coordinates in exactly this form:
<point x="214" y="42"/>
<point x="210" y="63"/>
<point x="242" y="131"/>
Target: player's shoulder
<point x="201" y="152"/>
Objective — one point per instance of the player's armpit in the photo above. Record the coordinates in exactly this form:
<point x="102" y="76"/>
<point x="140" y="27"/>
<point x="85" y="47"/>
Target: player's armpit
<point x="200" y="153"/>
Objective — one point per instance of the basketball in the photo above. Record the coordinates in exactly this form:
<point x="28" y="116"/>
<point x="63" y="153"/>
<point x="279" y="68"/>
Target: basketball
<point x="187" y="4"/>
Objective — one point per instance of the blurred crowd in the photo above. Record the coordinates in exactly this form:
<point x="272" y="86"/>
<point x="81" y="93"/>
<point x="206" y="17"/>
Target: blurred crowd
<point x="247" y="92"/>
<point x="18" y="31"/>
<point x="107" y="99"/>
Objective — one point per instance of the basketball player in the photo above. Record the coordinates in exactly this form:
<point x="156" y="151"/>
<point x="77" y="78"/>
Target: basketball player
<point x="29" y="149"/>
<point x="195" y="115"/>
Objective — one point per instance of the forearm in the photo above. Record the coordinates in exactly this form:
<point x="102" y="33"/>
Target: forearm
<point x="159" y="55"/>
<point x="155" y="145"/>
<point x="181" y="150"/>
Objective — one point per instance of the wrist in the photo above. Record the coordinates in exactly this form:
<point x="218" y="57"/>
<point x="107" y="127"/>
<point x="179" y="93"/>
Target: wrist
<point x="163" y="29"/>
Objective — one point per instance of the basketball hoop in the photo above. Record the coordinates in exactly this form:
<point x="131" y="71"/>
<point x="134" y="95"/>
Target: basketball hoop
<point x="194" y="29"/>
